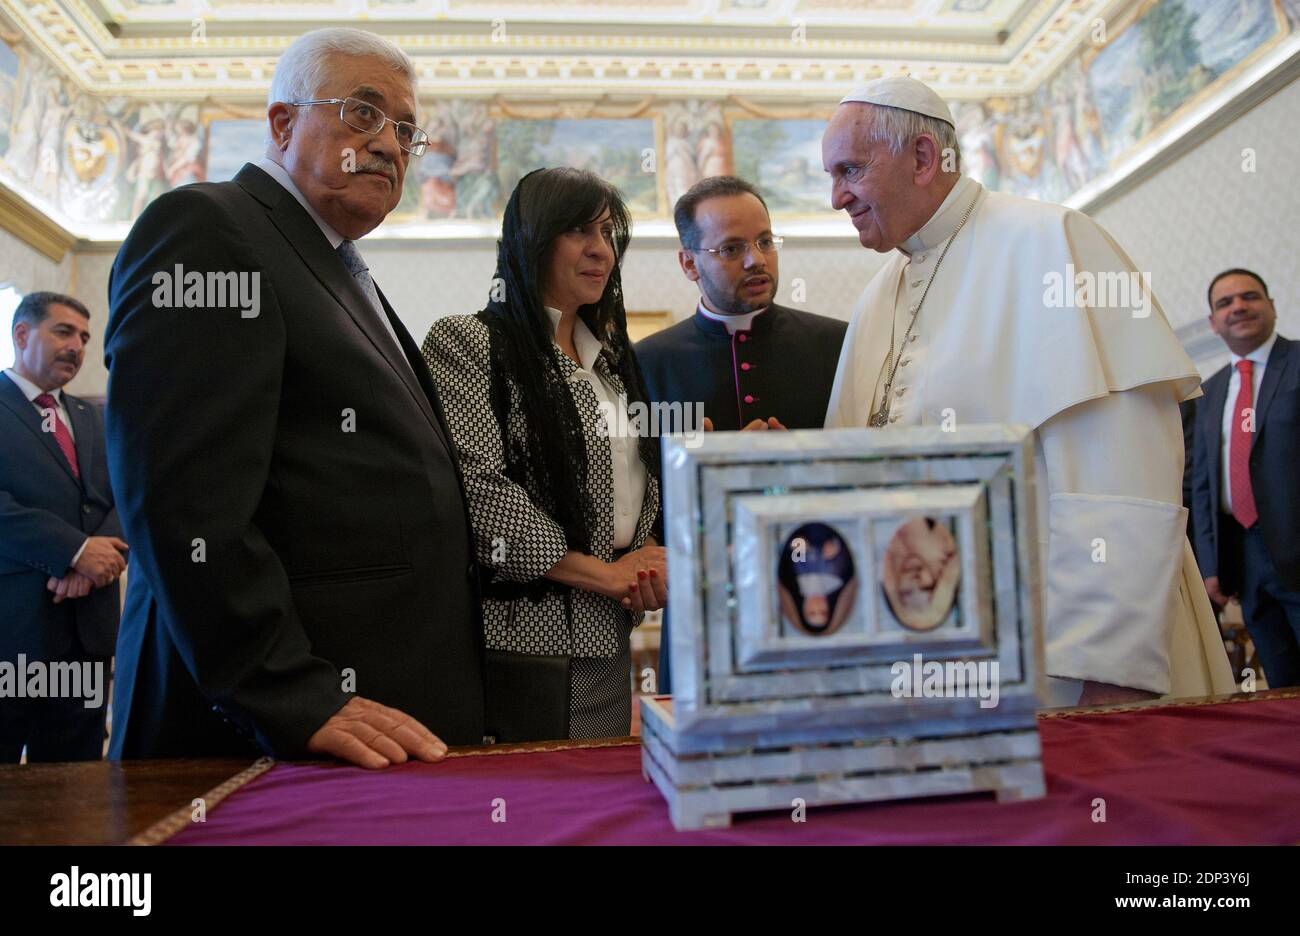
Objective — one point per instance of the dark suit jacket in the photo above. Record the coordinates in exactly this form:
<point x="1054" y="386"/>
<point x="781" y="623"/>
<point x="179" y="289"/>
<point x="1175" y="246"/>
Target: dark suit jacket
<point x="287" y="486"/>
<point x="1274" y="471"/>
<point x="792" y="356"/>
<point x="45" y="516"/>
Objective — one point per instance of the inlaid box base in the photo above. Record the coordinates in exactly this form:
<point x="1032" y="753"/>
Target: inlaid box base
<point x="704" y="790"/>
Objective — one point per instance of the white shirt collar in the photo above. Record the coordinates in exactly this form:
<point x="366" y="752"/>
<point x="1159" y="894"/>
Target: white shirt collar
<point x="944" y="221"/>
<point x="29" y="389"/>
<point x="741" y="322"/>
<point x="587" y="344"/>
<point x="277" y="172"/>
<point x="1260" y="354"/>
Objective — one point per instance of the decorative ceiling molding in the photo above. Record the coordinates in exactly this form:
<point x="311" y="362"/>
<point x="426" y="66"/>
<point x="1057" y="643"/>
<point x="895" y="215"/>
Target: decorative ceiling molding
<point x="468" y="54"/>
<point x="758" y="16"/>
<point x="92" y="174"/>
<point x="32" y="226"/>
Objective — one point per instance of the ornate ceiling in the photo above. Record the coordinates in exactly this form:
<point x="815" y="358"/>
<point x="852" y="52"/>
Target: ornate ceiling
<point x="797" y="50"/>
<point x="104" y="104"/>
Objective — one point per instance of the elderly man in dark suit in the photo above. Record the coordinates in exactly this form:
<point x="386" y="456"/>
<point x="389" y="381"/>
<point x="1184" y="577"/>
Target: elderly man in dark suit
<point x="61" y="548"/>
<point x="1247" y="502"/>
<point x="748" y="362"/>
<point x="303" y="572"/>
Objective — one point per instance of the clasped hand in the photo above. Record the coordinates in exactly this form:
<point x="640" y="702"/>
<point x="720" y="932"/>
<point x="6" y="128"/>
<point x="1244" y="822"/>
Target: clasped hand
<point x="101" y="561"/>
<point x="639" y="580"/>
<point x="757" y="425"/>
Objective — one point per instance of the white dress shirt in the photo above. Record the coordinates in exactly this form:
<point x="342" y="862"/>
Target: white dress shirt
<point x="742" y="322"/>
<point x="629" y="472"/>
<point x="31" y="391"/>
<point x="1259" y="357"/>
<point x="277" y="172"/>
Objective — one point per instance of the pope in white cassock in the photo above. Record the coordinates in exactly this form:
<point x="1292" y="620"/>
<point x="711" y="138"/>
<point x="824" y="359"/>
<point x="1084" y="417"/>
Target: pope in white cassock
<point x="998" y="309"/>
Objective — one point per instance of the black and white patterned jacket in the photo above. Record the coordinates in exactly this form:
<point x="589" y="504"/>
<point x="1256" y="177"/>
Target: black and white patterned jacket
<point x="507" y="520"/>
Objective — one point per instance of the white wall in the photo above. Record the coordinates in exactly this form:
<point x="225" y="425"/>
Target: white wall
<point x="30" y="271"/>
<point x="89" y="283"/>
<point x="425" y="282"/>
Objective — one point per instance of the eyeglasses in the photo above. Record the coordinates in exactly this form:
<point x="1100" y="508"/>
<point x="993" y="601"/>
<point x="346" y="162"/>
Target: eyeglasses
<point x="366" y="117"/>
<point x="737" y="249"/>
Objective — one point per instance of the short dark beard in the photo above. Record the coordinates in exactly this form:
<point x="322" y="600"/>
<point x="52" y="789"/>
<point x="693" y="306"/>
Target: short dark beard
<point x="733" y="304"/>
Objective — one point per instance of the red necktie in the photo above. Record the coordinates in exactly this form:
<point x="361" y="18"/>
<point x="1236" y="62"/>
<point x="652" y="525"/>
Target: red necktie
<point x="1243" y="497"/>
<point x="61" y="434"/>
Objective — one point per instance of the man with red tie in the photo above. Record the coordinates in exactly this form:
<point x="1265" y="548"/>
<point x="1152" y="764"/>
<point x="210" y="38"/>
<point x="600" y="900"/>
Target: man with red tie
<point x="61" y="551"/>
<point x="1244" y="488"/>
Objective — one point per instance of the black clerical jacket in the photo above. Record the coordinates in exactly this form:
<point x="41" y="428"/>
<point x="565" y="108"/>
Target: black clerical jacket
<point x="783" y="366"/>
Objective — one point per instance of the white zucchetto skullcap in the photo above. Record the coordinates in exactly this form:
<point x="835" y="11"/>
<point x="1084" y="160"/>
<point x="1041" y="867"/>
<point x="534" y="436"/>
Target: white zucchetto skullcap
<point x="904" y="93"/>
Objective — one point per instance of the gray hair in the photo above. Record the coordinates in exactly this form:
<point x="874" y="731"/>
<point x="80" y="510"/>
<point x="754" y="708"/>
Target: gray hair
<point x="898" y="128"/>
<point x="303" y="67"/>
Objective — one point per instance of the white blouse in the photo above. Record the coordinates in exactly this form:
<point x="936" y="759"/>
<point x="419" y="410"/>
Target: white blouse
<point x="629" y="472"/>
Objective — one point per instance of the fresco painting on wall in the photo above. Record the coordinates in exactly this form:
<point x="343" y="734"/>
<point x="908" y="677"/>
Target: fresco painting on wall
<point x="102" y="159"/>
<point x="784" y="159"/>
<point x="8" y="91"/>
<point x="231" y="143"/>
<point x="1104" y="103"/>
<point x="96" y="150"/>
<point x="616" y="150"/>
<point x="456" y="176"/>
<point x="97" y="159"/>
<point x="696" y="146"/>
<point x="1178" y="47"/>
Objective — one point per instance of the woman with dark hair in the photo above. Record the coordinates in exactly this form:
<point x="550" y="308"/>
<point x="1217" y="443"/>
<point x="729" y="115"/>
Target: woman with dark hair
<point x="536" y="388"/>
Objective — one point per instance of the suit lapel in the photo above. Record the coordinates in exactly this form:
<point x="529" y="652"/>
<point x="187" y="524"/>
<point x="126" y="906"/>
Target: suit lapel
<point x="309" y="242"/>
<point x="1279" y="359"/>
<point x="13" y="398"/>
<point x="84" y="429"/>
<point x="420" y="370"/>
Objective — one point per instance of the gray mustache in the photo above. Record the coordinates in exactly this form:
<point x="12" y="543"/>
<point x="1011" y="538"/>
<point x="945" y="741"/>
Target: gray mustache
<point x="376" y="164"/>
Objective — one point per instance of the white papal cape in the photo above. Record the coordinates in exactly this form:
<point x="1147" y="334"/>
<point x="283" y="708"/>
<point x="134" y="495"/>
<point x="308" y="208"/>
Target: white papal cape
<point x="1094" y="368"/>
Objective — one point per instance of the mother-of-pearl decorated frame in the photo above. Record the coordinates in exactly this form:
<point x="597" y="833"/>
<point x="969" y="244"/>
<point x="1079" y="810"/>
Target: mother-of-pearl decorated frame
<point x="727" y="503"/>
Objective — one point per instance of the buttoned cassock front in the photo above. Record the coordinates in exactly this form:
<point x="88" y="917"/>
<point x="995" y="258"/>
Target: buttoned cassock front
<point x="1099" y="381"/>
<point x="782" y="365"/>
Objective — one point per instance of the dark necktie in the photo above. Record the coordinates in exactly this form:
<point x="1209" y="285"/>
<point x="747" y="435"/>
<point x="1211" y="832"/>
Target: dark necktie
<point x="356" y="265"/>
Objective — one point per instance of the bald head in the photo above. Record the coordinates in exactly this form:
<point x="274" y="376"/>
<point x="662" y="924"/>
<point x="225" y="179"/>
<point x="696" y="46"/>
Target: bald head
<point x="890" y="169"/>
